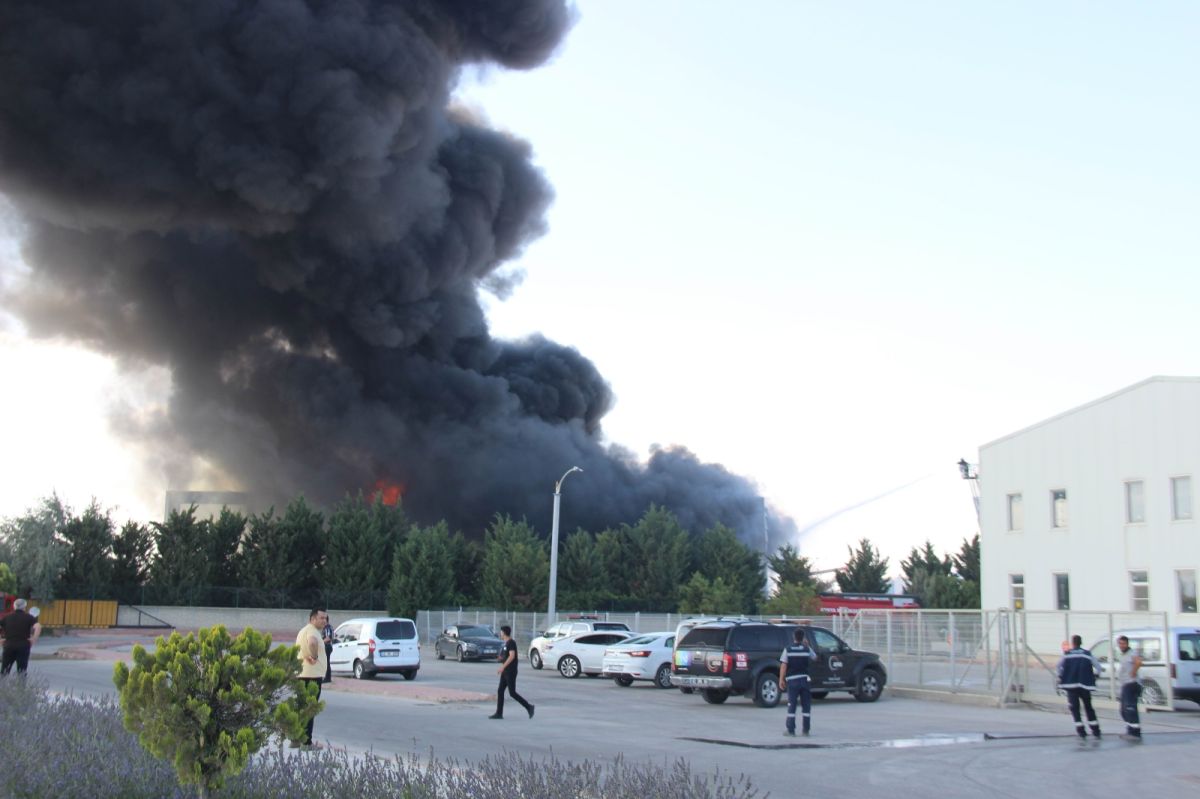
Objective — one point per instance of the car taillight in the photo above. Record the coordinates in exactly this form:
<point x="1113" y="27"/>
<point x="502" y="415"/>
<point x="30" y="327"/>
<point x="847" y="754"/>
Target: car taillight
<point x="727" y="662"/>
<point x="640" y="653"/>
<point x="370" y="647"/>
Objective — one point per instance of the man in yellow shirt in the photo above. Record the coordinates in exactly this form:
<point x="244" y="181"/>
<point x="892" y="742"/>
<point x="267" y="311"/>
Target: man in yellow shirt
<point x="313" y="661"/>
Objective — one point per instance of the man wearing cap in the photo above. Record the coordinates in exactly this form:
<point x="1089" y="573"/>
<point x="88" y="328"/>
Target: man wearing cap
<point x="20" y="631"/>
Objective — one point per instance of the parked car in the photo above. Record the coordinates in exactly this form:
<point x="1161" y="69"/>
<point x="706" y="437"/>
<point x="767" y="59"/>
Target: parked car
<point x="582" y="654"/>
<point x="369" y="646"/>
<point x="537" y="647"/>
<point x="724" y="659"/>
<point x="643" y="657"/>
<point x="1183" y="673"/>
<point x="467" y="642"/>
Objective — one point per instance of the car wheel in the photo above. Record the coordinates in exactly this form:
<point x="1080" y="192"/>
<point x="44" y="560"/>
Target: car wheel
<point x="662" y="677"/>
<point x="623" y="680"/>
<point x="687" y="690"/>
<point x="460" y="655"/>
<point x="715" y="696"/>
<point x="870" y="686"/>
<point x="1153" y="695"/>
<point x="438" y="651"/>
<point x="819" y="694"/>
<point x="569" y="667"/>
<point x="359" y="672"/>
<point x="535" y="659"/>
<point x="766" y="690"/>
<point x="591" y="674"/>
<point x="410" y="675"/>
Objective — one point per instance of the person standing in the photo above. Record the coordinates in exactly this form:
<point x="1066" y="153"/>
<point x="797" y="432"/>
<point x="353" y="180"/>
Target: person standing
<point x="313" y="661"/>
<point x="327" y="638"/>
<point x="1077" y="676"/>
<point x="20" y="631"/>
<point x="793" y="673"/>
<point x="508" y="675"/>
<point x="1128" y="665"/>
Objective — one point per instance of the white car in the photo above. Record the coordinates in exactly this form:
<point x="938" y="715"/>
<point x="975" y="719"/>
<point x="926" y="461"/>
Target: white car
<point x="581" y="654"/>
<point x="565" y="628"/>
<point x="366" y="647"/>
<point x="643" y="657"/>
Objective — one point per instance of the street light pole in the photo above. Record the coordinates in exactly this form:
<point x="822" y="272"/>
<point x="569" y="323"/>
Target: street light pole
<point x="554" y="545"/>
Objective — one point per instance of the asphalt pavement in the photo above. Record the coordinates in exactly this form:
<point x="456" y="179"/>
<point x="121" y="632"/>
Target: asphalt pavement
<point x="897" y="747"/>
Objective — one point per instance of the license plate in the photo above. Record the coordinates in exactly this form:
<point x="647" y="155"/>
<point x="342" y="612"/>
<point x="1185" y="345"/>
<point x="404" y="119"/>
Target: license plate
<point x="389" y="653"/>
<point x="489" y="651"/>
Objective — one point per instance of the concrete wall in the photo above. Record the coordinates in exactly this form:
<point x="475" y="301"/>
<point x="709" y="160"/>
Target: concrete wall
<point x="1148" y="432"/>
<point x="265" y="619"/>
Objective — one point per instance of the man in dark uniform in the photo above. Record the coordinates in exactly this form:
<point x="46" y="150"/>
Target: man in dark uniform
<point x="793" y="672"/>
<point x="1077" y="676"/>
<point x="508" y="675"/>
<point x="20" y="631"/>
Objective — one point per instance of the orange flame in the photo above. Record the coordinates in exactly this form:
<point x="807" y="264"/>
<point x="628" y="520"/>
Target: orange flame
<point x="387" y="492"/>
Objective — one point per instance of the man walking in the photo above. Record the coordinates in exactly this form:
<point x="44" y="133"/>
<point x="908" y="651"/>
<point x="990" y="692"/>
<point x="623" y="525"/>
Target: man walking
<point x="1128" y="665"/>
<point x="20" y="631"/>
<point x="313" y="662"/>
<point x="508" y="675"/>
<point x="1077" y="676"/>
<point x="793" y="672"/>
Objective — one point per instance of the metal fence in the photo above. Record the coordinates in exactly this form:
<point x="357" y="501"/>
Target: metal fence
<point x="1009" y="656"/>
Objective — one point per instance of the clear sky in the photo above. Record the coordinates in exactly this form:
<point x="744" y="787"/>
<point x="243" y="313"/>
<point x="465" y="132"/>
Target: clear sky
<point x="834" y="246"/>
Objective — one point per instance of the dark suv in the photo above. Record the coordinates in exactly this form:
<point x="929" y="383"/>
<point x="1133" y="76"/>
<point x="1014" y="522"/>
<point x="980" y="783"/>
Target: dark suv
<point x="735" y="658"/>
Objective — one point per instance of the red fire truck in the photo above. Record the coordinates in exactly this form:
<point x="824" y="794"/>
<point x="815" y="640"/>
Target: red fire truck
<point x="833" y="603"/>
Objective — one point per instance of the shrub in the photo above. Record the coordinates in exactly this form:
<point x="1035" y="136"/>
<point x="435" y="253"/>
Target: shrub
<point x="76" y="748"/>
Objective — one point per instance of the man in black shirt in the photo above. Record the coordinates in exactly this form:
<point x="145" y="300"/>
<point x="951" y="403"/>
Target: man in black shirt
<point x="20" y="631"/>
<point x="508" y="675"/>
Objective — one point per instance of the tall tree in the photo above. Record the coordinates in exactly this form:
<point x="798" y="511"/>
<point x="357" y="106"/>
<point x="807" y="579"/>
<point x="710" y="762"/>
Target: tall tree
<point x="660" y="557"/>
<point x="133" y="552"/>
<point x="793" y="599"/>
<point x="422" y="571"/>
<point x="791" y="568"/>
<point x="223" y="536"/>
<point x="582" y="580"/>
<point x="920" y="565"/>
<point x="88" y="572"/>
<point x="468" y="566"/>
<point x="614" y="550"/>
<point x="37" y="548"/>
<point x="865" y="572"/>
<point x="181" y="560"/>
<point x="516" y="567"/>
<point x="361" y="543"/>
<point x="701" y="595"/>
<point x="966" y="562"/>
<point x="719" y="554"/>
<point x="282" y="553"/>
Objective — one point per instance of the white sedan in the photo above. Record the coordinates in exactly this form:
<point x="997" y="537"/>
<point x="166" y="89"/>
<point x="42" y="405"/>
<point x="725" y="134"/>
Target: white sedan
<point x="643" y="657"/>
<point x="583" y="653"/>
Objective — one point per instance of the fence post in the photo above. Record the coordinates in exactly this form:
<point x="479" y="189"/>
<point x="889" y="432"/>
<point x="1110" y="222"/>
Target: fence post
<point x="920" y="649"/>
<point x="953" y="646"/>
<point x="1167" y="654"/>
<point x="890" y="665"/>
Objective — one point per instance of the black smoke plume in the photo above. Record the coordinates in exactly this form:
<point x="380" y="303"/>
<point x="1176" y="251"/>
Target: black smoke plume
<point x="276" y="201"/>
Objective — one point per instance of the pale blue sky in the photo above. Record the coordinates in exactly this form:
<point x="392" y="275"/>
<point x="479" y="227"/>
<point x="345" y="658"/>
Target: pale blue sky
<point x="835" y="246"/>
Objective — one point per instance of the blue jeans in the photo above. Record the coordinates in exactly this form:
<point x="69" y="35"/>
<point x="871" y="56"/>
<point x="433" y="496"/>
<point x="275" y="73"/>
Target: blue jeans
<point x="798" y="689"/>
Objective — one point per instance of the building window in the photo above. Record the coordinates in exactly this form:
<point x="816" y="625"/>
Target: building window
<point x="1135" y="505"/>
<point x="1058" y="507"/>
<point x="1139" y="587"/>
<point x="1062" y="591"/>
<point x="1016" y="513"/>
<point x="1016" y="590"/>
<point x="1181" y="498"/>
<point x="1186" y="580"/>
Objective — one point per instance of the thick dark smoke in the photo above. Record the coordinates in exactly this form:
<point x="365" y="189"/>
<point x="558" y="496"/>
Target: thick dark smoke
<point x="275" y="201"/>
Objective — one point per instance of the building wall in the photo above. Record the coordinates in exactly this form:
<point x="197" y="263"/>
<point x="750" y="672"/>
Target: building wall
<point x="1148" y="432"/>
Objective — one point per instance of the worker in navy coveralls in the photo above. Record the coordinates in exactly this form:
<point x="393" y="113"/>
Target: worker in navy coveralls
<point x="793" y="672"/>
<point x="1077" y="676"/>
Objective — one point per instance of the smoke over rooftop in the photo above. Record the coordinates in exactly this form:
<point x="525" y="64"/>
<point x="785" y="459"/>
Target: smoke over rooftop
<point x="277" y="202"/>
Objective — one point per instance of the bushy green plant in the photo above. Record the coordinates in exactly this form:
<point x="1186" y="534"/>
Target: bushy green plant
<point x="207" y="701"/>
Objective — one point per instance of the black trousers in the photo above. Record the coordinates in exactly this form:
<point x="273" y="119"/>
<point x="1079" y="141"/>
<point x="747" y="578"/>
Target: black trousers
<point x="328" y="665"/>
<point x="16" y="652"/>
<point x="1130" y="693"/>
<point x="1075" y="696"/>
<point x="798" y="689"/>
<point x="308" y="731"/>
<point x="508" y="680"/>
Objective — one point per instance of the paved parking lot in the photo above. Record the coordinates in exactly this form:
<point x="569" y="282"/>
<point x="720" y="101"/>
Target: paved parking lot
<point x="896" y="747"/>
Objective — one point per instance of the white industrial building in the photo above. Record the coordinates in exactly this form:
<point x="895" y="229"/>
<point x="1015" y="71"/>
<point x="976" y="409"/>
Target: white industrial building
<point x="1095" y="509"/>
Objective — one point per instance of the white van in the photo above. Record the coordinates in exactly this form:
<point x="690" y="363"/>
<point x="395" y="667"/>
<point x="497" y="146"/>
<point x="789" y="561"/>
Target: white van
<point x="1182" y="671"/>
<point x="370" y="646"/>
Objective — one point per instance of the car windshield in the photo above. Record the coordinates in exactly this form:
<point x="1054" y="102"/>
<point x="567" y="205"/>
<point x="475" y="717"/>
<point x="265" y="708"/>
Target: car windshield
<point x="1189" y="646"/>
<point x="475" y="631"/>
<point x="706" y="636"/>
<point x="391" y="630"/>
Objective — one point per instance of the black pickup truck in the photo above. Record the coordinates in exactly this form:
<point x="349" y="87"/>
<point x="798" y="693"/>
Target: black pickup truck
<point x="732" y="658"/>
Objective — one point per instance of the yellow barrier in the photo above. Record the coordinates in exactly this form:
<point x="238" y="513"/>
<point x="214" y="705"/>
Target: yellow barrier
<point x="78" y="613"/>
